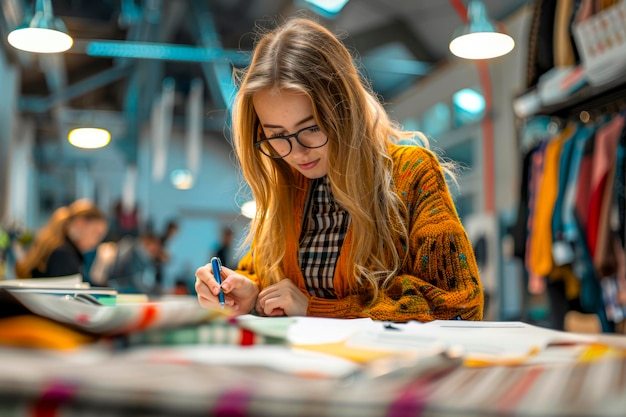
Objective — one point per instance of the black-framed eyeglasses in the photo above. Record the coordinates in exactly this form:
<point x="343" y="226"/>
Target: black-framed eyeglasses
<point x="277" y="147"/>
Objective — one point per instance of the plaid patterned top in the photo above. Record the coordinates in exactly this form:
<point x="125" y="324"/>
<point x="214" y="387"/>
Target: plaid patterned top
<point x="439" y="279"/>
<point x="324" y="229"/>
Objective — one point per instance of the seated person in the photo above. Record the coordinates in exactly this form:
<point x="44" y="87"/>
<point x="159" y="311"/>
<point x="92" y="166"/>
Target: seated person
<point x="132" y="269"/>
<point x="59" y="246"/>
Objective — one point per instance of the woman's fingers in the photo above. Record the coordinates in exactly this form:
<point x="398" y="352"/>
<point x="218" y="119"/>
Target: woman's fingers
<point x="206" y="287"/>
<point x="282" y="298"/>
<point x="240" y="293"/>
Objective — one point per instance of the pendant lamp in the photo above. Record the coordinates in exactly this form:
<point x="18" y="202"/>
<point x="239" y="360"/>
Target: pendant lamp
<point x="89" y="137"/>
<point x="480" y="38"/>
<point x="44" y="33"/>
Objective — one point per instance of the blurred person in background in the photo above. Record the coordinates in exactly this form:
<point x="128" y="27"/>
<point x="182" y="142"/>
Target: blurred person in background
<point x="224" y="251"/>
<point x="162" y="257"/>
<point x="130" y="267"/>
<point x="59" y="246"/>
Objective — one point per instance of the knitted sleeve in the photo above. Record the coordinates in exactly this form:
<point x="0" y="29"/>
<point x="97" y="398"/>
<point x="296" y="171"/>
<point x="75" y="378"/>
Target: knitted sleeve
<point x="439" y="279"/>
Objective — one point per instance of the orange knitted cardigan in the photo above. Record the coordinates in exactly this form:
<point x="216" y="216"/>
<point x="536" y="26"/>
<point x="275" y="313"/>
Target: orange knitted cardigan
<point x="439" y="278"/>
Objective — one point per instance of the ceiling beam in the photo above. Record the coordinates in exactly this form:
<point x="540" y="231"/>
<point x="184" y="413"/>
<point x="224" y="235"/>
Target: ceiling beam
<point x="158" y="51"/>
<point x="218" y="72"/>
<point x="394" y="31"/>
<point x="145" y="79"/>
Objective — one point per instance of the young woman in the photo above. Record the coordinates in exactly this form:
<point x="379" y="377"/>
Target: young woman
<point x="348" y="223"/>
<point x="59" y="246"/>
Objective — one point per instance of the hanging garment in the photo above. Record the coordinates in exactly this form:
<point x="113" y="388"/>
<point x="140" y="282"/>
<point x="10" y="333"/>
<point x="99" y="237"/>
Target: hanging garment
<point x="535" y="281"/>
<point x="519" y="230"/>
<point x="584" y="135"/>
<point x="590" y="293"/>
<point x="603" y="163"/>
<point x="620" y="187"/>
<point x="540" y="259"/>
<point x="563" y="47"/>
<point x="562" y="252"/>
<point x="578" y="4"/>
<point x="585" y="11"/>
<point x="540" y="42"/>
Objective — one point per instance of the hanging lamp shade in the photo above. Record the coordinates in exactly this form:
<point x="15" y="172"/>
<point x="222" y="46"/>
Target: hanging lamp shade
<point x="44" y="33"/>
<point x="89" y="137"/>
<point x="480" y="38"/>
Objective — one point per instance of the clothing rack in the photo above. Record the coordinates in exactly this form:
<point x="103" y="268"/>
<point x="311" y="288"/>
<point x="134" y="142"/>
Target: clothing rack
<point x="590" y="105"/>
<point x="607" y="98"/>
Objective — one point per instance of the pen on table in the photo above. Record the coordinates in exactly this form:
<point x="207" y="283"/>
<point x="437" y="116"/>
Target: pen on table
<point x="216" y="263"/>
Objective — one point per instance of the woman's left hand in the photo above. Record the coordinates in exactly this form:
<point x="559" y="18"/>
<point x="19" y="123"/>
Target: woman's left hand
<point x="282" y="298"/>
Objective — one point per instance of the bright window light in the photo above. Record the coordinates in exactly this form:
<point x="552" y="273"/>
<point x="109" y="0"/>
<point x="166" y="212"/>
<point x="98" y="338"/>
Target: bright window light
<point x="469" y="100"/>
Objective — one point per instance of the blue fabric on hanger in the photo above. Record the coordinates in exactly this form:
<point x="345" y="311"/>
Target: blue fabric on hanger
<point x="569" y="225"/>
<point x="537" y="129"/>
<point x="562" y="252"/>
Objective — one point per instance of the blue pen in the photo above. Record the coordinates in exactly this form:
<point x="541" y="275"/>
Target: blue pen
<point x="216" y="263"/>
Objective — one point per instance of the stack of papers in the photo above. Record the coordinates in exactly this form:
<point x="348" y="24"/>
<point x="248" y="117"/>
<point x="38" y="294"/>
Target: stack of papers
<point x="108" y="320"/>
<point x="70" y="286"/>
<point x="479" y="343"/>
<point x="70" y="281"/>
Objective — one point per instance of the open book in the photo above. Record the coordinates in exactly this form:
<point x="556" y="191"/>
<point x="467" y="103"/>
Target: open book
<point x="101" y="319"/>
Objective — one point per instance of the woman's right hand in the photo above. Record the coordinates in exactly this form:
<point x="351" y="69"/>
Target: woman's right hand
<point x="240" y="293"/>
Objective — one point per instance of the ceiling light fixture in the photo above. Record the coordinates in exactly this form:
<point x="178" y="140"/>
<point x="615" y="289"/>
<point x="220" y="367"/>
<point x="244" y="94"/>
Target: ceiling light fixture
<point x="480" y="37"/>
<point x="181" y="179"/>
<point x="43" y="34"/>
<point x="89" y="137"/>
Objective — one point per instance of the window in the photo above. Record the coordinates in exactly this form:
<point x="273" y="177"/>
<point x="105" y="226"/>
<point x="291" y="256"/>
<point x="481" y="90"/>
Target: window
<point x="468" y="105"/>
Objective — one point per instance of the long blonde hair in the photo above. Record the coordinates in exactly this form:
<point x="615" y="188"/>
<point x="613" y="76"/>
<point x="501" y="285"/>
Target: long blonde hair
<point x="54" y="234"/>
<point x="303" y="56"/>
